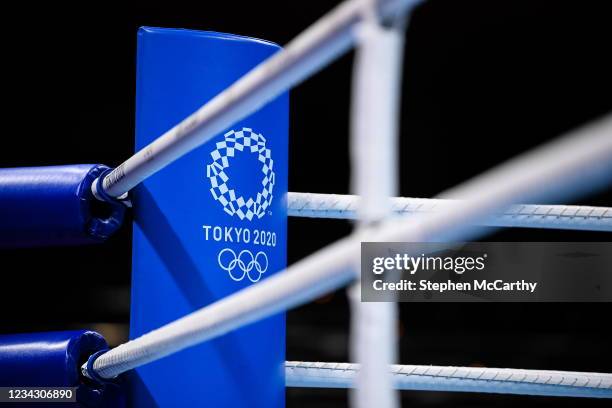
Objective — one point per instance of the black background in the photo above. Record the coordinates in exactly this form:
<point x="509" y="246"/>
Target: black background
<point x="483" y="81"/>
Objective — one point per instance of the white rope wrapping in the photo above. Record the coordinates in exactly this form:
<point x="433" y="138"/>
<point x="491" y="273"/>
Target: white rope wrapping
<point x="377" y="73"/>
<point x="575" y="164"/>
<point x="316" y="47"/>
<point x="466" y="379"/>
<point x="574" y="217"/>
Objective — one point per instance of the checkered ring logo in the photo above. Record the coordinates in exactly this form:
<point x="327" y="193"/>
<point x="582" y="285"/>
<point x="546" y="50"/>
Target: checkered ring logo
<point x="234" y="203"/>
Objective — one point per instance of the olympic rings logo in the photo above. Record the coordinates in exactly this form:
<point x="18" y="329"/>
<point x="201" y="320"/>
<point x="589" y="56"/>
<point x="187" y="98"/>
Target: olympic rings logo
<point x="251" y="266"/>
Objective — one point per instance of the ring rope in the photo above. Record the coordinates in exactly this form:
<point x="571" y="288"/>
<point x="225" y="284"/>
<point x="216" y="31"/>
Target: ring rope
<point x="466" y="379"/>
<point x="575" y="217"/>
<point x="375" y="95"/>
<point x="577" y="163"/>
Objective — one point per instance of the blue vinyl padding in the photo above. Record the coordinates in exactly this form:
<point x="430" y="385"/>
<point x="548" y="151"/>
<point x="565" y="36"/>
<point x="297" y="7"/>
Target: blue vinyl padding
<point x="53" y="205"/>
<point x="53" y="359"/>
<point x="180" y="263"/>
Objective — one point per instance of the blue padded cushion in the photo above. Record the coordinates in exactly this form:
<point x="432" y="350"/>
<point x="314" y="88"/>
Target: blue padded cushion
<point x="53" y="205"/>
<point x="53" y="359"/>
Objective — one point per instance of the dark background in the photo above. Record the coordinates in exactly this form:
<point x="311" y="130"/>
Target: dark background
<point x="483" y="81"/>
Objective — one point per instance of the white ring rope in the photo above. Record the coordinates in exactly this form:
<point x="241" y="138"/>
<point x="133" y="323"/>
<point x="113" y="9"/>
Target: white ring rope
<point x="466" y="379"/>
<point x="316" y="47"/>
<point x="575" y="217"/>
<point x="375" y="95"/>
<point x="575" y="164"/>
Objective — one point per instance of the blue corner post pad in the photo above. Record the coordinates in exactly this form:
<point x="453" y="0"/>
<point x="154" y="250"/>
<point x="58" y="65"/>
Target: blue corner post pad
<point x="54" y="205"/>
<point x="208" y="225"/>
<point x="53" y="359"/>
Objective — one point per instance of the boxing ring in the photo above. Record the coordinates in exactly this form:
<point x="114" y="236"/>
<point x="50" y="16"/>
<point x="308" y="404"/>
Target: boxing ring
<point x="208" y="190"/>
